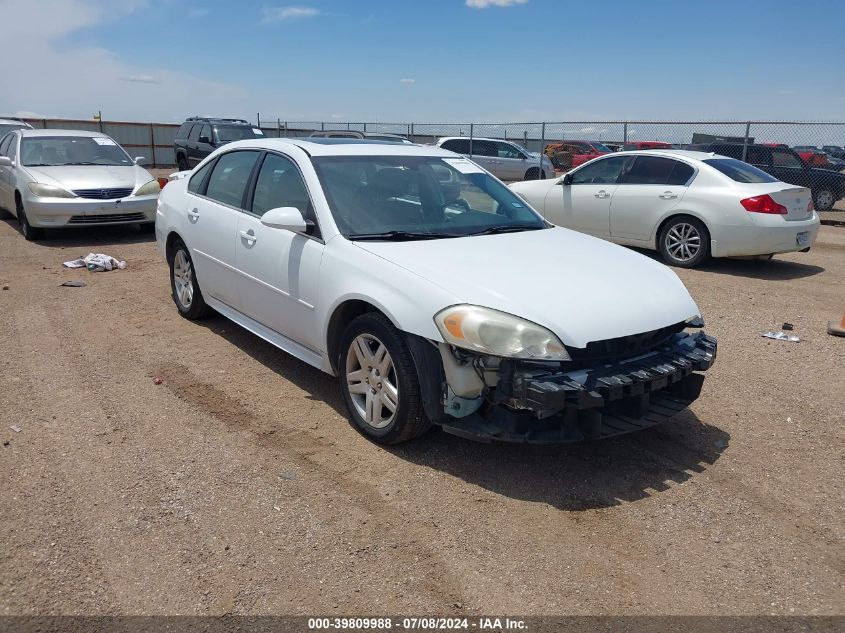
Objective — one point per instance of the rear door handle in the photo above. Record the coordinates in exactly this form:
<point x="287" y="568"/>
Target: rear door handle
<point x="668" y="195"/>
<point x="602" y="194"/>
<point x="249" y="236"/>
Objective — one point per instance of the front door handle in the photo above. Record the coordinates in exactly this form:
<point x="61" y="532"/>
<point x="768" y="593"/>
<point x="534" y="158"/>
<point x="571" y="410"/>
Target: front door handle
<point x="668" y="195"/>
<point x="602" y="194"/>
<point x="249" y="236"/>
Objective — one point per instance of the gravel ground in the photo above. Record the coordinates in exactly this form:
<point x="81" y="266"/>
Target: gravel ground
<point x="237" y="486"/>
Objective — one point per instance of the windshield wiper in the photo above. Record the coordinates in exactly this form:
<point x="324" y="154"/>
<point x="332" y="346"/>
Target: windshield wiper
<point x="400" y="235"/>
<point x="80" y="163"/>
<point x="508" y="228"/>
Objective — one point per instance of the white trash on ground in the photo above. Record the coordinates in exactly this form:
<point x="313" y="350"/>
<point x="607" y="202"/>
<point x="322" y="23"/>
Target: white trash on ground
<point x="781" y="336"/>
<point x="96" y="263"/>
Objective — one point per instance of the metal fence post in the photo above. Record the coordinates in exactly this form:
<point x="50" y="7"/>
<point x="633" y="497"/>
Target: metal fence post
<point x="411" y="135"/>
<point x="322" y="125"/>
<point x="625" y="134"/>
<point x="365" y="128"/>
<point x="745" y="140"/>
<point x="153" y="144"/>
<point x="100" y="119"/>
<point x="542" y="174"/>
<point x="286" y="129"/>
<point x="471" y="135"/>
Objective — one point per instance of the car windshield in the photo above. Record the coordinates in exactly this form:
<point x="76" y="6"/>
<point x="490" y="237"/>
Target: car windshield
<point x="56" y="151"/>
<point x="8" y="127"/>
<point x="419" y="197"/>
<point x="739" y="171"/>
<point x="600" y="148"/>
<point x="230" y="133"/>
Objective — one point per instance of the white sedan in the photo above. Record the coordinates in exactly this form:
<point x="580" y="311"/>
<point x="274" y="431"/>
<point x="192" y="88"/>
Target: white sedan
<point x="687" y="205"/>
<point x="432" y="292"/>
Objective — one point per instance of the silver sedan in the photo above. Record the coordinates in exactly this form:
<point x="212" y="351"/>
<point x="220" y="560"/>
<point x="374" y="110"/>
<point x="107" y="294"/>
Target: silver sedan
<point x="58" y="178"/>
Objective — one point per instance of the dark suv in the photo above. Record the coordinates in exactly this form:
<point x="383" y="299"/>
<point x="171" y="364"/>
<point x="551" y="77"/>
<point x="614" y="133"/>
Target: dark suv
<point x="199" y="136"/>
<point x="786" y="165"/>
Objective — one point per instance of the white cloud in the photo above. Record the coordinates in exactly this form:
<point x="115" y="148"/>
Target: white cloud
<point x="285" y="14"/>
<point x="483" y="4"/>
<point x="407" y="80"/>
<point x="140" y="79"/>
<point x="74" y="80"/>
<point x="197" y="12"/>
<point x="337" y="116"/>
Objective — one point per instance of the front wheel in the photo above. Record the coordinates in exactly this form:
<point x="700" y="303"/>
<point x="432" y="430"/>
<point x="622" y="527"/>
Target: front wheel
<point x="28" y="231"/>
<point x="184" y="286"/>
<point x="824" y="199"/>
<point x="379" y="382"/>
<point x="684" y="242"/>
<point x="533" y="174"/>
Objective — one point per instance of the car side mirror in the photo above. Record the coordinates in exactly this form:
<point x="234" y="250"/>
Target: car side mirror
<point x="140" y="160"/>
<point x="566" y="180"/>
<point x="5" y="161"/>
<point x="204" y="139"/>
<point x="287" y="218"/>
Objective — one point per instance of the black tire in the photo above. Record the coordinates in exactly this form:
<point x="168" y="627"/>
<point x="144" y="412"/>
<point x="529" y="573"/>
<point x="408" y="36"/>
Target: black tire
<point x="193" y="308"/>
<point x="407" y="420"/>
<point x="182" y="163"/>
<point x="532" y="174"/>
<point x="28" y="231"/>
<point x="824" y="199"/>
<point x="679" y="237"/>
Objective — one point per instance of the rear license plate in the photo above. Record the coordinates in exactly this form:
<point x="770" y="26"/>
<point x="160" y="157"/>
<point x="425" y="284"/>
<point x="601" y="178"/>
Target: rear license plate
<point x="803" y="238"/>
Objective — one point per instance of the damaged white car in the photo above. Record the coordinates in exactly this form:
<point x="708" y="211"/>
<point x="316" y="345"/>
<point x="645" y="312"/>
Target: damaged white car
<point x="433" y="292"/>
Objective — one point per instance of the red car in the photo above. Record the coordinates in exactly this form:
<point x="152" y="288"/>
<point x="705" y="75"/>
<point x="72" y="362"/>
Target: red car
<point x="812" y="156"/>
<point x="647" y="145"/>
<point x="569" y="154"/>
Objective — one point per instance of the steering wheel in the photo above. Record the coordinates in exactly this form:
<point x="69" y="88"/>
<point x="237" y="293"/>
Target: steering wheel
<point x="458" y="202"/>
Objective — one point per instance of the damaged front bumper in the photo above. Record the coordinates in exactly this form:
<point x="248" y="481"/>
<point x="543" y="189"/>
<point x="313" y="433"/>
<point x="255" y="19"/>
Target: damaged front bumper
<point x="532" y="403"/>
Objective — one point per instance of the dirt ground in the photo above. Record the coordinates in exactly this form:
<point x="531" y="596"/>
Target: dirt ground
<point x="237" y="486"/>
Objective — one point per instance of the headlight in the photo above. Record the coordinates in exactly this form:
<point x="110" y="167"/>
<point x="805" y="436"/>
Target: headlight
<point x="49" y="191"/>
<point x="149" y="189"/>
<point x="497" y="333"/>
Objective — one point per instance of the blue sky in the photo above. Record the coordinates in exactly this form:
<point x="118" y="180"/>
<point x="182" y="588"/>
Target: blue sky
<point x="426" y="60"/>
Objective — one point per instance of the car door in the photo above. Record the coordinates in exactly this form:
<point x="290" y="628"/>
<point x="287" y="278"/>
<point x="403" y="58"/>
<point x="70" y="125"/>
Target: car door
<point x="5" y="172"/>
<point x="512" y="162"/>
<point x="486" y="154"/>
<point x="280" y="269"/>
<point x="582" y="199"/>
<point x="216" y="195"/>
<point x="648" y="190"/>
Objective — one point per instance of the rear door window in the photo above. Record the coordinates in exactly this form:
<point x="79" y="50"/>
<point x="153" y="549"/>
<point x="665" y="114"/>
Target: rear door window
<point x="484" y="148"/>
<point x="457" y="145"/>
<point x="4" y="144"/>
<point x="656" y="170"/>
<point x="194" y="134"/>
<point x="785" y="158"/>
<point x="758" y="156"/>
<point x="231" y="174"/>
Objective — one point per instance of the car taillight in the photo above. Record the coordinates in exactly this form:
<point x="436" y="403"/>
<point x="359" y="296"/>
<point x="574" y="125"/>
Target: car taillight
<point x="162" y="182"/>
<point x="763" y="204"/>
<point x="810" y="207"/>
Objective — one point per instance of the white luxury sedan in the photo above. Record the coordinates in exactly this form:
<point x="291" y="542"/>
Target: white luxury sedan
<point x="432" y="291"/>
<point x="71" y="178"/>
<point x="687" y="205"/>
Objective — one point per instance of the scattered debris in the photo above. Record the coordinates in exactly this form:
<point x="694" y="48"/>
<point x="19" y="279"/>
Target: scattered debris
<point x="16" y="428"/>
<point x="5" y="286"/>
<point x="96" y="262"/>
<point x="73" y="284"/>
<point x="781" y="336"/>
<point x="288" y="476"/>
<point x="836" y="330"/>
<point x="158" y="380"/>
<point x="6" y="442"/>
<point x="788" y="326"/>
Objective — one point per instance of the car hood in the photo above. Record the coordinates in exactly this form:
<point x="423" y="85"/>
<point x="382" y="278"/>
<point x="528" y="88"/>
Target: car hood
<point x="580" y="287"/>
<point x="91" y="176"/>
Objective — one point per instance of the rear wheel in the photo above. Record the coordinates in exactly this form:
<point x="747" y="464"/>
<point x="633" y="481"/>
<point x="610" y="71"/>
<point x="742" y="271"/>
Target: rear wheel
<point x="684" y="242"/>
<point x="182" y="163"/>
<point x="378" y="380"/>
<point x="183" y="284"/>
<point x="532" y="174"/>
<point x="824" y="199"/>
<point x="28" y="231"/>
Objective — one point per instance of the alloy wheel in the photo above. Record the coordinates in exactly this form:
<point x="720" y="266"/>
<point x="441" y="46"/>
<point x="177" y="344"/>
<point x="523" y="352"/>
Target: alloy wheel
<point x="371" y="380"/>
<point x="825" y="199"/>
<point x="683" y="241"/>
<point x="183" y="279"/>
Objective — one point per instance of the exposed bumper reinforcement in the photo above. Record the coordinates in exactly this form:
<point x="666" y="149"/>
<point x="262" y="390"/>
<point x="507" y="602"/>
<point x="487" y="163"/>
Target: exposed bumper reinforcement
<point x="600" y="402"/>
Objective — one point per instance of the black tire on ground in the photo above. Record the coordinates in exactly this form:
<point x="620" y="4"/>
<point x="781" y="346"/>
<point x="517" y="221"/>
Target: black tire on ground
<point x="532" y="174"/>
<point x="189" y="302"/>
<point x="824" y="199"/>
<point x="684" y="242"/>
<point x="182" y="163"/>
<point x="28" y="231"/>
<point x="407" y="420"/>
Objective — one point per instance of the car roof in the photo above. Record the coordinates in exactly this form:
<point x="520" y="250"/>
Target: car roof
<point x="474" y="138"/>
<point x="668" y="153"/>
<point x="342" y="147"/>
<point x="14" y="122"/>
<point x="51" y="132"/>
